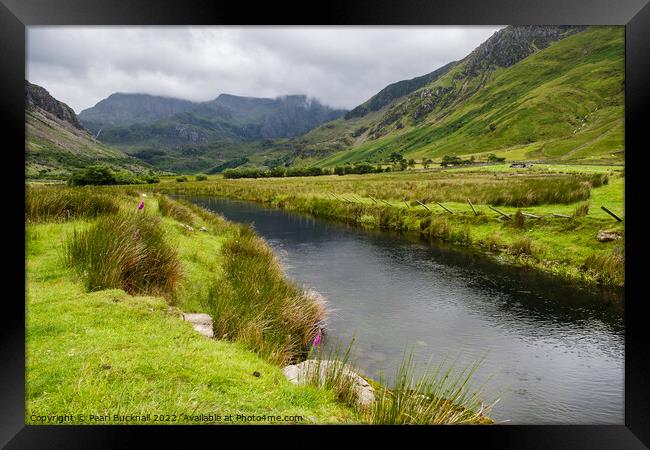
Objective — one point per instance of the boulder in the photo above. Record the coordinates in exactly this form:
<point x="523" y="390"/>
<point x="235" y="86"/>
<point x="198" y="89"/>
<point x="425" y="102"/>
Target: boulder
<point x="201" y="323"/>
<point x="606" y="236"/>
<point x="306" y="370"/>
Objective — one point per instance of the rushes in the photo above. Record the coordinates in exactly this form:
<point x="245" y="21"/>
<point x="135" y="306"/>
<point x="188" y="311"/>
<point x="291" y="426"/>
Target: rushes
<point x="582" y="209"/>
<point x="125" y="251"/>
<point x="255" y="304"/>
<point x="64" y="204"/>
<point x="502" y="190"/>
<point x="607" y="268"/>
<point x="441" y="396"/>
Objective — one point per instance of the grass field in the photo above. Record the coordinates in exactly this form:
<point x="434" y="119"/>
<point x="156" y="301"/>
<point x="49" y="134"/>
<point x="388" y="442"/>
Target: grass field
<point x="411" y="202"/>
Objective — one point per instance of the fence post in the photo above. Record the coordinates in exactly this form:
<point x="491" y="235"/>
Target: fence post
<point x="504" y="215"/>
<point x="444" y="207"/>
<point x="472" y="206"/>
<point x="425" y="206"/>
<point x="611" y="213"/>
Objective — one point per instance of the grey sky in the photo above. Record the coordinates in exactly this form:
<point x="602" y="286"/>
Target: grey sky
<point x="341" y="66"/>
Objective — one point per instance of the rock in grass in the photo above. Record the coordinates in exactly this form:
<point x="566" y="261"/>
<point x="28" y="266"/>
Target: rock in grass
<point x="306" y="370"/>
<point x="201" y="323"/>
<point x="606" y="236"/>
<point x="203" y="229"/>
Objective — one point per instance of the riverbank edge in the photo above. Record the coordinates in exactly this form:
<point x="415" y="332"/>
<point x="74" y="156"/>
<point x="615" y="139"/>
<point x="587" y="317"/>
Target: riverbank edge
<point x="411" y="222"/>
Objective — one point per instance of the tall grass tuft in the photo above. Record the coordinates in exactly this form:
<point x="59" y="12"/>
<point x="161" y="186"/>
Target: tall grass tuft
<point x="518" y="220"/>
<point x="175" y="210"/>
<point x="582" y="209"/>
<point x="522" y="246"/>
<point x="441" y="396"/>
<point x="607" y="268"/>
<point x="64" y="204"/>
<point x="254" y="303"/>
<point x="331" y="369"/>
<point x="125" y="251"/>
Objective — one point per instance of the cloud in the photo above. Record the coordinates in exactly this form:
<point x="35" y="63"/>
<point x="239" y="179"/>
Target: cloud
<point x="341" y="66"/>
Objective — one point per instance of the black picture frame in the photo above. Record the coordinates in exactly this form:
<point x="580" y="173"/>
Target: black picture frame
<point x="15" y="15"/>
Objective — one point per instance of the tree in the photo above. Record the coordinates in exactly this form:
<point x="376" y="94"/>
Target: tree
<point x="396" y="157"/>
<point x="411" y="163"/>
<point x="426" y="163"/>
<point x="93" y="175"/>
<point x="494" y="158"/>
<point x="450" y="160"/>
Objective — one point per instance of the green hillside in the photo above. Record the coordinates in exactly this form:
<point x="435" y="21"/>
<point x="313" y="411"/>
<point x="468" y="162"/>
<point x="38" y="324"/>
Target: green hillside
<point x="54" y="148"/>
<point x="562" y="103"/>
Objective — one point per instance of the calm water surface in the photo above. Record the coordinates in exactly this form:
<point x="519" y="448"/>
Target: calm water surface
<point x="552" y="353"/>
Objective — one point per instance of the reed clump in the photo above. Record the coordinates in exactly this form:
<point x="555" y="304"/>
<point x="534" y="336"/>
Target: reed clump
<point x="67" y="203"/>
<point x="125" y="251"/>
<point x="255" y="304"/>
<point x="607" y="268"/>
<point x="521" y="246"/>
<point x="582" y="209"/>
<point x="442" y="395"/>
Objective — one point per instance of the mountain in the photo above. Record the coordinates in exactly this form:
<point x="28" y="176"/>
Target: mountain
<point x="38" y="99"/>
<point x="528" y="92"/>
<point x="198" y="136"/>
<point x="57" y="143"/>
<point x="127" y="109"/>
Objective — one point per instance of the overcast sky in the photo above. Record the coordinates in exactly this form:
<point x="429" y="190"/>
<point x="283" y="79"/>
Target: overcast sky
<point x="341" y="66"/>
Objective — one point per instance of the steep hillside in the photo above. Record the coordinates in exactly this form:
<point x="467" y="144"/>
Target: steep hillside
<point x="527" y="92"/>
<point x="56" y="143"/>
<point x="396" y="90"/>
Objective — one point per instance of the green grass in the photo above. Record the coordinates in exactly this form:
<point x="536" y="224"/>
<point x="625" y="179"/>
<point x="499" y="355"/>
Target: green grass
<point x="107" y="352"/>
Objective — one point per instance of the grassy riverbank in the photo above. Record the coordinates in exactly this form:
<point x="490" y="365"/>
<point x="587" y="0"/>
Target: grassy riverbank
<point x="562" y="241"/>
<point x="107" y="352"/>
<point x="106" y="343"/>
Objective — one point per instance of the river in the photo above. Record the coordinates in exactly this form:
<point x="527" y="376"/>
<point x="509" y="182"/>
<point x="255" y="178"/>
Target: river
<point x="552" y="353"/>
